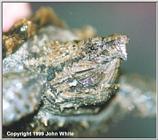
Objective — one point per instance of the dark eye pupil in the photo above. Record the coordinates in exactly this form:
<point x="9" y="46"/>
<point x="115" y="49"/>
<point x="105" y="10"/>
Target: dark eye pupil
<point x="23" y="28"/>
<point x="23" y="32"/>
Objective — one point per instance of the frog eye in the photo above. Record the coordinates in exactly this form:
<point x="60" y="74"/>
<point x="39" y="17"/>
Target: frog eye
<point x="23" y="31"/>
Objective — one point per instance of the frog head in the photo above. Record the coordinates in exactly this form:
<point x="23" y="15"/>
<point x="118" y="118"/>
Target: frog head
<point x="93" y="77"/>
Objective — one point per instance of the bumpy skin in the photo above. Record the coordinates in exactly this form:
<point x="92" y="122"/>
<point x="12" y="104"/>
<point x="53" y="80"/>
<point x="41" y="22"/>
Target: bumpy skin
<point x="27" y="28"/>
<point x="22" y="95"/>
<point x="76" y="73"/>
<point x="77" y="81"/>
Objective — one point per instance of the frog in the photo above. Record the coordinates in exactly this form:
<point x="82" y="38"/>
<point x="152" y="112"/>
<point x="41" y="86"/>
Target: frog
<point x="67" y="82"/>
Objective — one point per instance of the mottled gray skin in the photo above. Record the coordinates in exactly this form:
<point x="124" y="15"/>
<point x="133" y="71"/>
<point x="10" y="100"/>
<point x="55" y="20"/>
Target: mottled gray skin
<point x="22" y="95"/>
<point x="136" y="98"/>
<point x="16" y="70"/>
<point x="83" y="117"/>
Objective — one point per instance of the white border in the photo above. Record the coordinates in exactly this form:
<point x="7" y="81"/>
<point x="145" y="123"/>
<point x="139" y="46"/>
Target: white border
<point x="157" y="70"/>
<point x="89" y="1"/>
<point x="80" y="1"/>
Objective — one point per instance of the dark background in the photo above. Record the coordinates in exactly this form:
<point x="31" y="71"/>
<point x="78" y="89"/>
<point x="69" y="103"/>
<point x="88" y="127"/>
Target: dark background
<point x="138" y="21"/>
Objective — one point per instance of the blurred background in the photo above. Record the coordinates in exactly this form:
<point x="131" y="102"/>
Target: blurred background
<point x="138" y="22"/>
